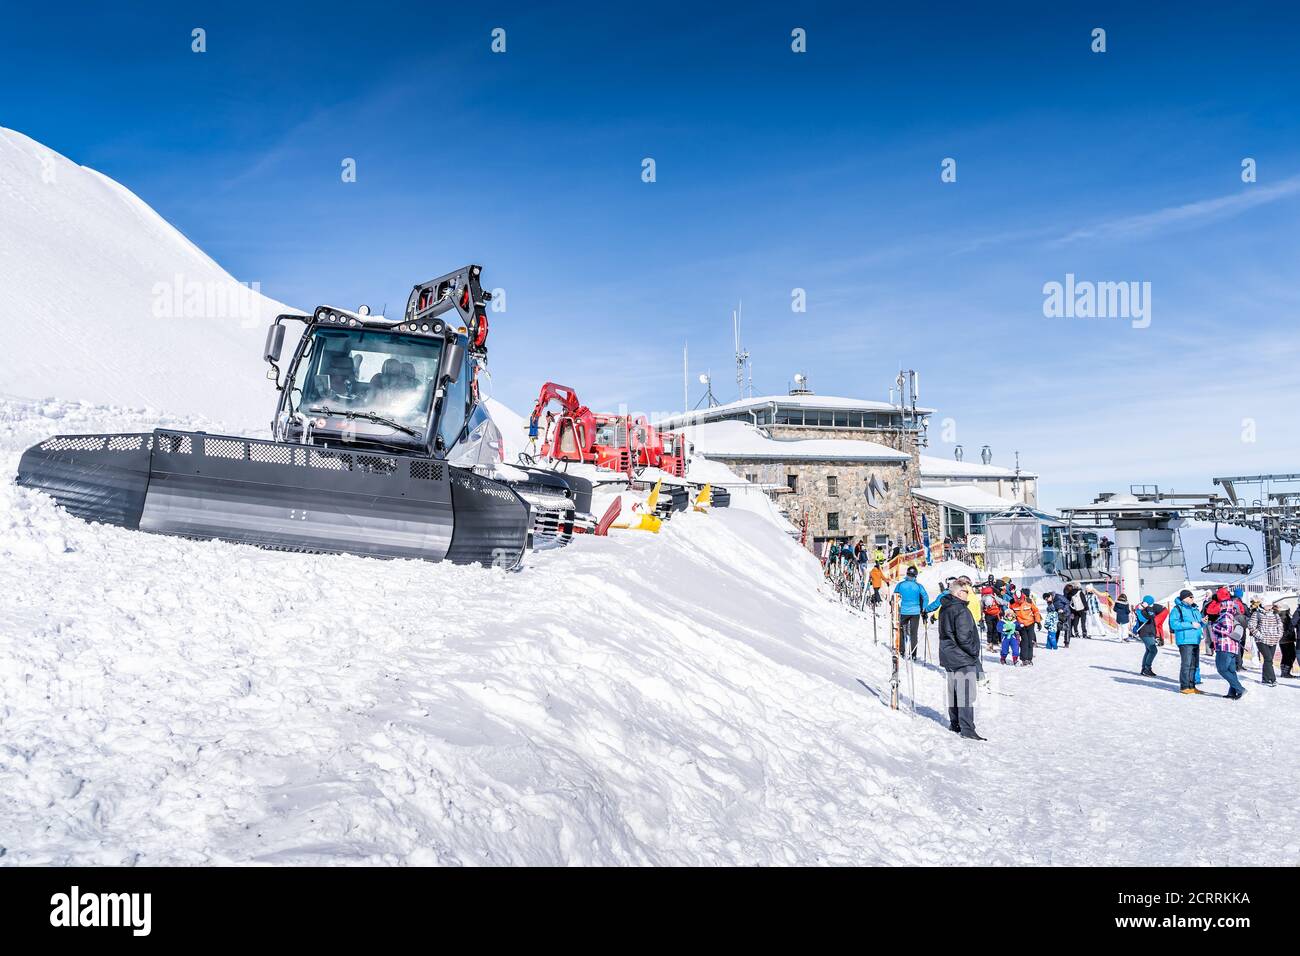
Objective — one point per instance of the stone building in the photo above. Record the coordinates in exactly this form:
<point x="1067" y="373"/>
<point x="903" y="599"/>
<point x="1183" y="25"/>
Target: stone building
<point x="846" y="467"/>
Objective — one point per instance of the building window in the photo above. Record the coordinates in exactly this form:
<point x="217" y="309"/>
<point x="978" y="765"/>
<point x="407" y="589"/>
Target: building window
<point x="832" y="521"/>
<point x="752" y="478"/>
<point x="832" y="486"/>
<point x="841" y="419"/>
<point x="792" y="482"/>
<point x="954" y="523"/>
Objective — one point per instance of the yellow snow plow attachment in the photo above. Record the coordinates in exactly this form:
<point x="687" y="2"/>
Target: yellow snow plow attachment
<point x="647" y="520"/>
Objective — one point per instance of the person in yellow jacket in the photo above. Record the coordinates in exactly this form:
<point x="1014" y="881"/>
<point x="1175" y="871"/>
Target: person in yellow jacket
<point x="1027" y="620"/>
<point x="877" y="579"/>
<point x="976" y="609"/>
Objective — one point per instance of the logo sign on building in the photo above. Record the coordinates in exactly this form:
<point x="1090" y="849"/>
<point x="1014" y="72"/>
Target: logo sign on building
<point x="975" y="544"/>
<point x="875" y="492"/>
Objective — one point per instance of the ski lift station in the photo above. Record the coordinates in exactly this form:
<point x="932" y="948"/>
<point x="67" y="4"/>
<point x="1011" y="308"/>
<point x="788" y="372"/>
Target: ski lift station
<point x="848" y="469"/>
<point x="854" y="469"/>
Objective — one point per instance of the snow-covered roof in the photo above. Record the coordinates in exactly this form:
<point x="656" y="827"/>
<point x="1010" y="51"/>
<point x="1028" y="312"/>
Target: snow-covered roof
<point x="827" y="402"/>
<point x="741" y="440"/>
<point x="947" y="468"/>
<point x="969" y="498"/>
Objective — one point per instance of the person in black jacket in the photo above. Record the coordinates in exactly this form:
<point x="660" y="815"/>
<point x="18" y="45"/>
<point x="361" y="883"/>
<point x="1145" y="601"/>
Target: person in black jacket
<point x="959" y="655"/>
<point x="1289" y="632"/>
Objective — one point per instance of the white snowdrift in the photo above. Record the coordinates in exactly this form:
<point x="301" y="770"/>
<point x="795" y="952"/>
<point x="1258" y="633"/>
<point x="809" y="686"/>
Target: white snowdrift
<point x="102" y="300"/>
<point x="689" y="697"/>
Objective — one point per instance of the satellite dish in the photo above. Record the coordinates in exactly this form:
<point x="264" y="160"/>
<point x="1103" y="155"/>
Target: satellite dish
<point x="363" y="310"/>
<point x="704" y="379"/>
<point x="798" y="378"/>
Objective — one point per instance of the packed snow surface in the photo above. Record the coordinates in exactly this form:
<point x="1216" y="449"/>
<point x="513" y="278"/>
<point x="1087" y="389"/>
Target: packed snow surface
<point x="695" y="696"/>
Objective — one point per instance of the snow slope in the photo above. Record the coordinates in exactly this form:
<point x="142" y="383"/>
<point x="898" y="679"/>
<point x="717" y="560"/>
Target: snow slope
<point x="689" y="697"/>
<point x="103" y="300"/>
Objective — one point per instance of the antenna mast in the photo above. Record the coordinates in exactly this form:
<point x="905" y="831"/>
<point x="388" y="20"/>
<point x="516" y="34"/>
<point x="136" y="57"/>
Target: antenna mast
<point x="686" y="386"/>
<point x="742" y="355"/>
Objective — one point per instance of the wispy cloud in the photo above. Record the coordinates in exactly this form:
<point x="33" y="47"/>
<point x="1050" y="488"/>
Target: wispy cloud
<point x="1186" y="215"/>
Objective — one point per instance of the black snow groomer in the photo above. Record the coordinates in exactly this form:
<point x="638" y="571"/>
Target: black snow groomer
<point x="381" y="448"/>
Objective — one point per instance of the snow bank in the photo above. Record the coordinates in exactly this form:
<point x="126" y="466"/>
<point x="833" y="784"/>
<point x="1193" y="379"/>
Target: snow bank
<point x="113" y="305"/>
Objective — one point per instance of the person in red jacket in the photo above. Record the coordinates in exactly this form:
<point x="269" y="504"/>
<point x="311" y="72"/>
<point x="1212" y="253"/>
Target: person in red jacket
<point x="1027" y="620"/>
<point x="992" y="616"/>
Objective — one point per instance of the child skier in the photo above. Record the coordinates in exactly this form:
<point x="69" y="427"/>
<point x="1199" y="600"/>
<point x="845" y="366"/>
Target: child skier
<point x="1051" y="620"/>
<point x="1009" y="640"/>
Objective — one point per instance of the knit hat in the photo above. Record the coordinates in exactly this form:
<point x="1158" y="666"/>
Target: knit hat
<point x="1238" y="591"/>
<point x="911" y="572"/>
<point x="1222" y="594"/>
<point x="1148" y="599"/>
<point x="1182" y="595"/>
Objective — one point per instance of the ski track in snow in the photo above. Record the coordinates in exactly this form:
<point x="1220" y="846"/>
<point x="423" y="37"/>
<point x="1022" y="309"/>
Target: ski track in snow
<point x="688" y="698"/>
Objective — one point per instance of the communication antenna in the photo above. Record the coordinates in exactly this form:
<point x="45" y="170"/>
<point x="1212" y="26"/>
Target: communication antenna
<point x="742" y="354"/>
<point x="686" y="388"/>
<point x="909" y="390"/>
<point x="707" y="381"/>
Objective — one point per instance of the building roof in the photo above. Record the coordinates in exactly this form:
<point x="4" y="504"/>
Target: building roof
<point x="828" y="402"/>
<point x="948" y="468"/>
<point x="968" y="498"/>
<point x="742" y="441"/>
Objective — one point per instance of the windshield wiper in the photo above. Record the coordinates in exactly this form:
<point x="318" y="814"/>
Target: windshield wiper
<point x="368" y="416"/>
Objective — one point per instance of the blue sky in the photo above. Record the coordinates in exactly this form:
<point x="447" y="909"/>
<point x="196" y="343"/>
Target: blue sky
<point x="775" y="170"/>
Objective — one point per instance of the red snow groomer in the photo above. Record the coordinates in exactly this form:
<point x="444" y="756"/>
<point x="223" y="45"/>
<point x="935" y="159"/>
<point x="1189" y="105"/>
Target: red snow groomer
<point x="655" y="449"/>
<point x="576" y="433"/>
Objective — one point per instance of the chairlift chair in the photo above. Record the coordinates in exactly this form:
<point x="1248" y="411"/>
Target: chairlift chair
<point x="1227" y="558"/>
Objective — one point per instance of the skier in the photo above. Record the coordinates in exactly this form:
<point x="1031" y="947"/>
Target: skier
<point x="992" y="612"/>
<point x="1185" y="623"/>
<point x="1122" y="610"/>
<point x="1145" y="629"/>
<point x="1079" y="612"/>
<point x="1010" y="640"/>
<point x="1266" y="628"/>
<point x="959" y="654"/>
<point x="877" y="582"/>
<point x="912" y="601"/>
<point x="1062" y="603"/>
<point x="1288" y="641"/>
<point x="1227" y="647"/>
<point x="1027" y="618"/>
<point x="1051" y="620"/>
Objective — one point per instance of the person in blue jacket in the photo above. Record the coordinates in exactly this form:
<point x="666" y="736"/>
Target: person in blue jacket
<point x="912" y="601"/>
<point x="1185" y="623"/>
<point x="1144" y="628"/>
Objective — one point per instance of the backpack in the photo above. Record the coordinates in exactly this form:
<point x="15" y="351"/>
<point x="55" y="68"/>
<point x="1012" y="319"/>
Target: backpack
<point x="1076" y="601"/>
